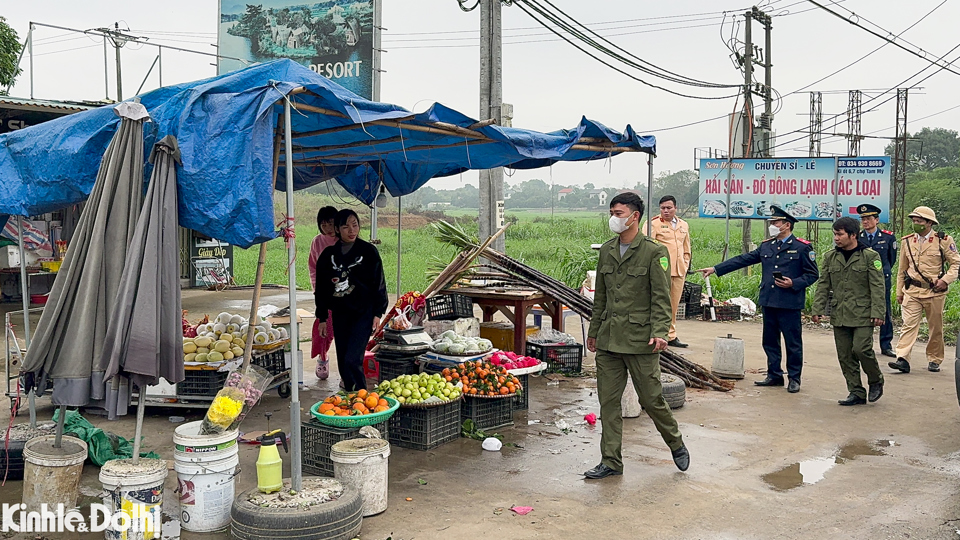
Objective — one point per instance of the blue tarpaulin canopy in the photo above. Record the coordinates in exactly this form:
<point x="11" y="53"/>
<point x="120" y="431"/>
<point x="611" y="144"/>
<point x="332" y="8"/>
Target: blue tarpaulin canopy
<point x="227" y="129"/>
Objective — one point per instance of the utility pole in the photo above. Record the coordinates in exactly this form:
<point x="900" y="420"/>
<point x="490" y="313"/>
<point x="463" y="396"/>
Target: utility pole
<point x="899" y="164"/>
<point x="816" y="127"/>
<point x="746" y="121"/>
<point x="766" y="119"/>
<point x="756" y="134"/>
<point x="491" y="99"/>
<point x="853" y="123"/>
<point x="118" y="39"/>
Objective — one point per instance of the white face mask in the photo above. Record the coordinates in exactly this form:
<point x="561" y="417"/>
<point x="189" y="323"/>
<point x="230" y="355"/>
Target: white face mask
<point x="619" y="224"/>
<point x="773" y="230"/>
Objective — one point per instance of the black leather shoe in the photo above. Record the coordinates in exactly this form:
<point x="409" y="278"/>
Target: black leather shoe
<point x="889" y="352"/>
<point x="793" y="386"/>
<point x="675" y="342"/>
<point x="876" y="390"/>
<point x="681" y="456"/>
<point x="769" y="381"/>
<point x="900" y="365"/>
<point x="601" y="471"/>
<point x="853" y="399"/>
<point x="933" y="366"/>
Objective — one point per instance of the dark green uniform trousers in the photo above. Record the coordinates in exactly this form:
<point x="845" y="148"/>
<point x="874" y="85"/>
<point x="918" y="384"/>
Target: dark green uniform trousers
<point x="855" y="350"/>
<point x="644" y="370"/>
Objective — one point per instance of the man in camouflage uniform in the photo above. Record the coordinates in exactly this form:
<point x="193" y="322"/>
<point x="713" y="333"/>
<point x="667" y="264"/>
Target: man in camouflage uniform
<point x="854" y="273"/>
<point x="631" y="319"/>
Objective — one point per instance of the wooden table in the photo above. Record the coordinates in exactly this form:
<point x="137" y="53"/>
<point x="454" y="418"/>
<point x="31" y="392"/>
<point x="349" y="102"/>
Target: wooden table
<point x="516" y="305"/>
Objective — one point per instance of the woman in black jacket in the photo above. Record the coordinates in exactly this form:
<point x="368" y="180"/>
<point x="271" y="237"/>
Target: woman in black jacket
<point x="351" y="284"/>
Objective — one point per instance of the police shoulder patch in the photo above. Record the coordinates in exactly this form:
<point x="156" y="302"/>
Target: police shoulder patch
<point x="878" y="265"/>
<point x="953" y="247"/>
<point x="664" y="263"/>
<point x="813" y="255"/>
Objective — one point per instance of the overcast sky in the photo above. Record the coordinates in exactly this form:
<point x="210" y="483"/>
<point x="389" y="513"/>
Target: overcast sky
<point x="434" y="56"/>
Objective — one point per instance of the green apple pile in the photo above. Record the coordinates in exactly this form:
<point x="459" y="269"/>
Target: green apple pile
<point x="422" y="388"/>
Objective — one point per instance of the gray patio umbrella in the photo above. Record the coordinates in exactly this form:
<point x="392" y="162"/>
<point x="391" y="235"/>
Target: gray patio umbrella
<point x="68" y="344"/>
<point x="144" y="335"/>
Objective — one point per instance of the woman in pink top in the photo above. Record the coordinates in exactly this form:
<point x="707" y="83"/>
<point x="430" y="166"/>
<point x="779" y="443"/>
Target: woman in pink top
<point x="326" y="238"/>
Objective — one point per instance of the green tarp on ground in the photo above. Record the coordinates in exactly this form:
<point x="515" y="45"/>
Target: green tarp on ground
<point x="102" y="446"/>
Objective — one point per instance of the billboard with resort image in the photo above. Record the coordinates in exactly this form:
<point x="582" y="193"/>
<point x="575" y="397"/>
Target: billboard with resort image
<point x="332" y="37"/>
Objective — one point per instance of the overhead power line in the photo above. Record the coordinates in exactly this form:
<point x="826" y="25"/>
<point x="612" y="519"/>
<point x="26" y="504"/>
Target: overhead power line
<point x="584" y="41"/>
<point x="919" y="54"/>
<point x="798" y="90"/>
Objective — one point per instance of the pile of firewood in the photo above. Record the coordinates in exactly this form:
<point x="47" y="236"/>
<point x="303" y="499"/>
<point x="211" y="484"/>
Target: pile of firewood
<point x="691" y="373"/>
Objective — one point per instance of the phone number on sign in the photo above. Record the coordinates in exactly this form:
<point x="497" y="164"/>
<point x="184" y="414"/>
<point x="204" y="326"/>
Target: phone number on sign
<point x="861" y="163"/>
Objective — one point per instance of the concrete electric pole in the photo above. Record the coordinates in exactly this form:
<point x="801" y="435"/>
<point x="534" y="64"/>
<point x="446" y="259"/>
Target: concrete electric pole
<point x="491" y="99"/>
<point x="756" y="135"/>
<point x="118" y="39"/>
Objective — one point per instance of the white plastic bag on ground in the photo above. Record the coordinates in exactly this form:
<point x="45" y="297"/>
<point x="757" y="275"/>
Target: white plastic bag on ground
<point x="492" y="444"/>
<point x="747" y="307"/>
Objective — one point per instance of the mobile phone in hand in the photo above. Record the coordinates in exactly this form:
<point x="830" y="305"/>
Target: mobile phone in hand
<point x="778" y="275"/>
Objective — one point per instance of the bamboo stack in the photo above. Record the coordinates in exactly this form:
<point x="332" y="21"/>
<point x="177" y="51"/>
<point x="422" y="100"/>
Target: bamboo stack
<point x="692" y="374"/>
<point x="526" y="274"/>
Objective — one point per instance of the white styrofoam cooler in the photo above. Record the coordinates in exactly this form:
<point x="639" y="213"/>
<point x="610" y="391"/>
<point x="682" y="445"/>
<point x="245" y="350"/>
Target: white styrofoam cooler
<point x="10" y="257"/>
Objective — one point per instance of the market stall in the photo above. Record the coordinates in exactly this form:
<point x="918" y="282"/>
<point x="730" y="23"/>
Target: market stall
<point x="281" y="126"/>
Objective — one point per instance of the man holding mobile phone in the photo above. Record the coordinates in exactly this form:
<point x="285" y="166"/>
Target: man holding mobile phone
<point x="789" y="266"/>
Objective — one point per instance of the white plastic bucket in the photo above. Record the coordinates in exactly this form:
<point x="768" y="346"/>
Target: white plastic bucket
<point x="135" y="489"/>
<point x="362" y="463"/>
<point x="207" y="488"/>
<point x="189" y="446"/>
<point x="51" y="475"/>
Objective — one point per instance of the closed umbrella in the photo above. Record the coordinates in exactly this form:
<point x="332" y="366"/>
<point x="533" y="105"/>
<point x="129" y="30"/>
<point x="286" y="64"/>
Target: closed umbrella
<point x="67" y="347"/>
<point x="144" y="339"/>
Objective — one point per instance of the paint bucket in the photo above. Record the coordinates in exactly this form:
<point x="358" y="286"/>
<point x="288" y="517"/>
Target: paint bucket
<point x="51" y="475"/>
<point x="206" y="482"/>
<point x="189" y="446"/>
<point x="136" y="489"/>
<point x="728" y="357"/>
<point x="362" y="463"/>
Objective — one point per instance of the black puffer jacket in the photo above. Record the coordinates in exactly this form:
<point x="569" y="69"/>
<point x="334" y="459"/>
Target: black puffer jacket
<point x="350" y="284"/>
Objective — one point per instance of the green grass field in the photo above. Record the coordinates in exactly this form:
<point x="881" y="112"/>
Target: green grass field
<point x="558" y="246"/>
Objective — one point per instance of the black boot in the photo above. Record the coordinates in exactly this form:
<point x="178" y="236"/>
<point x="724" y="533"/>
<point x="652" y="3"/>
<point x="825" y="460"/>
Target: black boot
<point x="900" y="365"/>
<point x="853" y="399"/>
<point x="770" y="381"/>
<point x="681" y="456"/>
<point x="876" y="390"/>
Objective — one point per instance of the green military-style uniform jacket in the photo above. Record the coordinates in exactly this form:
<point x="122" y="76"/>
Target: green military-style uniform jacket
<point x="857" y="286"/>
<point x="631" y="302"/>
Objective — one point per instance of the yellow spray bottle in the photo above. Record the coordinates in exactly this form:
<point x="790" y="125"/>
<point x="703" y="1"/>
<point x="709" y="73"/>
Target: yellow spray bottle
<point x="269" y="464"/>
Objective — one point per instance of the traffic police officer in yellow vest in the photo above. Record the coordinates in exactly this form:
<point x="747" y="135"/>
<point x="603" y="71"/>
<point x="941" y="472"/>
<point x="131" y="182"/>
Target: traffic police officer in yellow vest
<point x="674" y="234"/>
<point x="631" y="318"/>
<point x="928" y="265"/>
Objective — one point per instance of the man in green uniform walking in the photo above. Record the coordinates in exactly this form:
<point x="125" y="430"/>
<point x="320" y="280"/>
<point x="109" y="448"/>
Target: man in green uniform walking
<point x="854" y="273"/>
<point x="631" y="320"/>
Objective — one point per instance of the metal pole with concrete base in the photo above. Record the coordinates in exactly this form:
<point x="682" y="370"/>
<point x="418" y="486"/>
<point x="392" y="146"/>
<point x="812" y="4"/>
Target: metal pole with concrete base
<point x="138" y="434"/>
<point x="25" y="293"/>
<point x="296" y="474"/>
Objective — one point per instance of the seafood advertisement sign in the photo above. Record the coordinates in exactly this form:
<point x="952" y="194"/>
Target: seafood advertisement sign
<point x="804" y="187"/>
